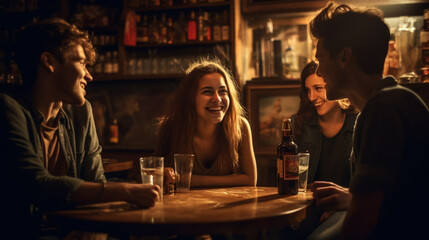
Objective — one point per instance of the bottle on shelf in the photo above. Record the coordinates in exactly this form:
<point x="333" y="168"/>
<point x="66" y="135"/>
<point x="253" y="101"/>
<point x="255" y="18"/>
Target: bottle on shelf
<point x="225" y="31"/>
<point x="139" y="64"/>
<point x="154" y="30"/>
<point x="391" y="64"/>
<point x="192" y="27"/>
<point x="287" y="162"/>
<point x="200" y="25"/>
<point x="98" y="67"/>
<point x="114" y="132"/>
<point x="407" y="47"/>
<point x="108" y="63"/>
<point x="131" y="64"/>
<point x="267" y="50"/>
<point x="217" y="35"/>
<point x="180" y="28"/>
<point x="207" y="27"/>
<point x="170" y="31"/>
<point x="142" y="30"/>
<point x="156" y="3"/>
<point x="167" y="2"/>
<point x="424" y="44"/>
<point x="115" y="62"/>
<point x="163" y="29"/>
<point x="290" y="63"/>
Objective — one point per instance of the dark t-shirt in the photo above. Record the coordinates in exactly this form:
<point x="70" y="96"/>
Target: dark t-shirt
<point x="329" y="161"/>
<point x="390" y="155"/>
<point x="334" y="167"/>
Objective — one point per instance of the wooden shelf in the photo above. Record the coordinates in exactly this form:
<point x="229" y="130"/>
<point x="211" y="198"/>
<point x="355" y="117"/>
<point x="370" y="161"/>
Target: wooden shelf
<point x="118" y="77"/>
<point x="183" y="7"/>
<point x="165" y="45"/>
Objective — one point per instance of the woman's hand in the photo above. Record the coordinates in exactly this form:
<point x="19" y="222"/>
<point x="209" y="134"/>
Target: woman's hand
<point x="169" y="180"/>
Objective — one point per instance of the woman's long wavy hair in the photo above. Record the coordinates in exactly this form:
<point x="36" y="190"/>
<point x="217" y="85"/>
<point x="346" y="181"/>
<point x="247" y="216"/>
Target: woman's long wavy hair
<point x="306" y="108"/>
<point x="178" y="128"/>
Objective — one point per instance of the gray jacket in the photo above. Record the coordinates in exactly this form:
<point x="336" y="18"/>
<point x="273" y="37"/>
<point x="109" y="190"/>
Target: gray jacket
<point x="22" y="157"/>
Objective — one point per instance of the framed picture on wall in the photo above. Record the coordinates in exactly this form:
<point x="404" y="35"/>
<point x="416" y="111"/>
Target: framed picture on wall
<point x="267" y="105"/>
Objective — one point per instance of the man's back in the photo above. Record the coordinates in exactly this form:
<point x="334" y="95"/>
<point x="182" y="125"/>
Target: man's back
<point x="391" y="136"/>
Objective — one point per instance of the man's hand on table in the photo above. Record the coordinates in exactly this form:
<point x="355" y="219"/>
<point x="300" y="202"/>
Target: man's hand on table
<point x="144" y="195"/>
<point x="330" y="196"/>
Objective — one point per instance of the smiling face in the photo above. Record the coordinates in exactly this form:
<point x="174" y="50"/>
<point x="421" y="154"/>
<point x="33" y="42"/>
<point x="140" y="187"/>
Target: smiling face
<point x="316" y="93"/>
<point x="73" y="76"/>
<point x="212" y="99"/>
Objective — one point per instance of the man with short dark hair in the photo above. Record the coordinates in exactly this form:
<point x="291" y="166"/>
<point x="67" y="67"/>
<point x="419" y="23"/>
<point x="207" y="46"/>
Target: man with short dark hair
<point x="48" y="143"/>
<point x="389" y="162"/>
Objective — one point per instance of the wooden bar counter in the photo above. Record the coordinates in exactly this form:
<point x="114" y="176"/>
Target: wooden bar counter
<point x="200" y="211"/>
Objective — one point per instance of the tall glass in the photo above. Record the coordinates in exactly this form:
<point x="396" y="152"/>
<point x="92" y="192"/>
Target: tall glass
<point x="152" y="172"/>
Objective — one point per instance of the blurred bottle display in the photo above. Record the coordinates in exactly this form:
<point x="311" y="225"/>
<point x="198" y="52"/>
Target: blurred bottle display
<point x="163" y="29"/>
<point x="424" y="45"/>
<point x="200" y="25"/>
<point x="287" y="165"/>
<point x="154" y="31"/>
<point x="107" y="68"/>
<point x="408" y="47"/>
<point x="115" y="62"/>
<point x="207" y="27"/>
<point x="267" y="50"/>
<point x="192" y="27"/>
<point x="114" y="132"/>
<point x="225" y="31"/>
<point x="170" y="31"/>
<point x="143" y="30"/>
<point x="156" y="3"/>
<point x="180" y="28"/>
<point x="217" y="34"/>
<point x="391" y="64"/>
<point x="290" y="63"/>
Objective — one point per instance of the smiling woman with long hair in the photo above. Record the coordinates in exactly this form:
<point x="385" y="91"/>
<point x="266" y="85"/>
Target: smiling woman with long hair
<point x="324" y="128"/>
<point x="206" y="118"/>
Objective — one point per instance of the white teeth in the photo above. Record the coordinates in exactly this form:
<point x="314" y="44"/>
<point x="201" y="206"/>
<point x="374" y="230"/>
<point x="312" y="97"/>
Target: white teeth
<point x="215" y="108"/>
<point x="318" y="104"/>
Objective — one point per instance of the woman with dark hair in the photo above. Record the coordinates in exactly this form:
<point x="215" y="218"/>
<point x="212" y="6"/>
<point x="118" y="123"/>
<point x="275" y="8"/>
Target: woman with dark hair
<point x="323" y="128"/>
<point x="205" y="118"/>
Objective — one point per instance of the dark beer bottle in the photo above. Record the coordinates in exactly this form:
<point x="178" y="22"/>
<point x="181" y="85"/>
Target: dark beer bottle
<point x="287" y="162"/>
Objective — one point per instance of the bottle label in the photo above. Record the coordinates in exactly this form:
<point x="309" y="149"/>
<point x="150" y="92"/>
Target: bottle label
<point x="280" y="167"/>
<point x="217" y="35"/>
<point x="192" y="30"/>
<point x="290" y="167"/>
<point x="225" y="32"/>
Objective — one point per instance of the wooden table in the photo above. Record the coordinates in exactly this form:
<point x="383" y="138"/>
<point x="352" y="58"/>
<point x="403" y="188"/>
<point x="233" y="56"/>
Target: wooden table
<point x="115" y="165"/>
<point x="214" y="211"/>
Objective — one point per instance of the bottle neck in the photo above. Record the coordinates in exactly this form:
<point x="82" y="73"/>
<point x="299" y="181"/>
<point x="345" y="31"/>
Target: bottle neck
<point x="287" y="137"/>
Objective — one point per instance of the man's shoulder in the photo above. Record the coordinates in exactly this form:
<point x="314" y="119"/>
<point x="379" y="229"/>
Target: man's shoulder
<point x="8" y="100"/>
<point x="398" y="97"/>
